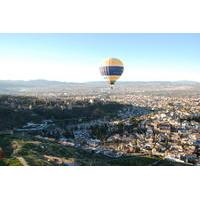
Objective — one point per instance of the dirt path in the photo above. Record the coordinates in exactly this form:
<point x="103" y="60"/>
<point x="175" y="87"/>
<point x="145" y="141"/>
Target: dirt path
<point x="23" y="161"/>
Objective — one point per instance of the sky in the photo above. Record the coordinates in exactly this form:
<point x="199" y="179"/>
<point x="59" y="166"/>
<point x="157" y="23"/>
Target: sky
<point x="77" y="57"/>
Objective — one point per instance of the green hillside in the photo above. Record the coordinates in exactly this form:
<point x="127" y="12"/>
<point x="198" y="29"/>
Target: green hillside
<point x="21" y="149"/>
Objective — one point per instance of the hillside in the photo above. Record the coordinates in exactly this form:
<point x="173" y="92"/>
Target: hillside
<point x="22" y="149"/>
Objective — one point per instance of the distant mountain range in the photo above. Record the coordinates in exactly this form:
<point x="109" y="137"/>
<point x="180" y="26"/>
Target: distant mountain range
<point x="19" y="86"/>
<point x="45" y="82"/>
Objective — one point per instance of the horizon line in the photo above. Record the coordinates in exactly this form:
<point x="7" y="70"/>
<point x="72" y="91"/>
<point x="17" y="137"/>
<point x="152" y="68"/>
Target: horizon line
<point x="100" y="81"/>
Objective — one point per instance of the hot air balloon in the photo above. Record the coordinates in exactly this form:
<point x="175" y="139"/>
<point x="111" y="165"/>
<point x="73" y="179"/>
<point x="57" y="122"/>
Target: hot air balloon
<point x="112" y="69"/>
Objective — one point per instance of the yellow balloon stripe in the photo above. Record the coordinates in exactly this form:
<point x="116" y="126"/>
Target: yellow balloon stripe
<point x="112" y="78"/>
<point x="113" y="62"/>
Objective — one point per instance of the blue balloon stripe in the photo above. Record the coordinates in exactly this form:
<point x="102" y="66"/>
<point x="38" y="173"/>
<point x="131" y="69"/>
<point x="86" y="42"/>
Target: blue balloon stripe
<point x="112" y="70"/>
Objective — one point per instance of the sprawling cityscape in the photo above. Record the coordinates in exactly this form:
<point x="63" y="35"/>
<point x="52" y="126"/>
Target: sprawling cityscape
<point x="77" y="99"/>
<point x="136" y="123"/>
<point x="99" y="95"/>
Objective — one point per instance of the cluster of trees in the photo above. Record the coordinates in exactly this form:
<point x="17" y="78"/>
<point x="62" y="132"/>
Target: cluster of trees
<point x="13" y="117"/>
<point x="194" y="118"/>
<point x="10" y="118"/>
<point x="89" y="112"/>
<point x="100" y="132"/>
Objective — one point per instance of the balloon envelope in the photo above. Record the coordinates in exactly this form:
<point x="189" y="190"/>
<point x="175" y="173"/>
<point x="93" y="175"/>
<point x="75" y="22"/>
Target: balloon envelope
<point x="112" y="69"/>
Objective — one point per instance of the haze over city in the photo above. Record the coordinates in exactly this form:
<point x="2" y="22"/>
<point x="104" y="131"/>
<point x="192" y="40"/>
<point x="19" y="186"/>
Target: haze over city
<point x="77" y="57"/>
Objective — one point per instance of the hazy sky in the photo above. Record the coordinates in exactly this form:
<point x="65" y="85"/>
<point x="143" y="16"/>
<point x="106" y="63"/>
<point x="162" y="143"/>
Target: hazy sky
<point x="77" y="57"/>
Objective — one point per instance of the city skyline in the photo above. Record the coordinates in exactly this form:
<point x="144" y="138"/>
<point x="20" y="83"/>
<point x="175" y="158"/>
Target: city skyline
<point x="77" y="57"/>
